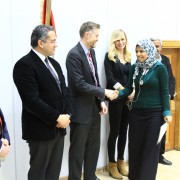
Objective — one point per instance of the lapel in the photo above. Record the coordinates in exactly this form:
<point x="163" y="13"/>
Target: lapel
<point x="120" y="67"/>
<point x="40" y="65"/>
<point x="95" y="64"/>
<point x="163" y="60"/>
<point x="55" y="67"/>
<point x="85" y="60"/>
<point x="58" y="71"/>
<point x="118" y="62"/>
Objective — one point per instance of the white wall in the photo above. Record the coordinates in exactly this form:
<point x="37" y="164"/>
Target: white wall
<point x="6" y="92"/>
<point x="138" y="18"/>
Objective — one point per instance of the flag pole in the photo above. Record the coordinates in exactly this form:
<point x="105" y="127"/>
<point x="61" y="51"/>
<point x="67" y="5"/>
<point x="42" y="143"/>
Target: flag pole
<point x="48" y="12"/>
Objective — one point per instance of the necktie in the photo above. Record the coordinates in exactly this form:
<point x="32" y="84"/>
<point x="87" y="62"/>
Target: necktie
<point x="92" y="68"/>
<point x="53" y="73"/>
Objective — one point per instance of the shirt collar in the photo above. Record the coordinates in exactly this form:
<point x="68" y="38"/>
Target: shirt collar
<point x="86" y="50"/>
<point x="42" y="57"/>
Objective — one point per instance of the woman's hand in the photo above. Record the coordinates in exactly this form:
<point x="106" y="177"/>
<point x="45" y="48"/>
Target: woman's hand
<point x="168" y="119"/>
<point x="131" y="96"/>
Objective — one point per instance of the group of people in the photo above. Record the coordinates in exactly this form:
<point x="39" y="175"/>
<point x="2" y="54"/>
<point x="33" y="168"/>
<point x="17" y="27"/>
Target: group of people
<point x="48" y="106"/>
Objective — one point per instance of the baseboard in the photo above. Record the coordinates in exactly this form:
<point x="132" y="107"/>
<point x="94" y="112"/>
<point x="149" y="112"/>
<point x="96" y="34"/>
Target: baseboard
<point x="98" y="170"/>
<point x="63" y="178"/>
<point x="101" y="169"/>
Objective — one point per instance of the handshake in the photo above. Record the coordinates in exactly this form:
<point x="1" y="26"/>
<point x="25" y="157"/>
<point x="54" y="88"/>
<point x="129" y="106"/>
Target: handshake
<point x="111" y="94"/>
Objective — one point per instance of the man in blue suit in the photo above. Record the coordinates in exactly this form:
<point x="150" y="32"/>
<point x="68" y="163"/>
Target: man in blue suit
<point x="165" y="60"/>
<point x="46" y="105"/>
<point x="88" y="103"/>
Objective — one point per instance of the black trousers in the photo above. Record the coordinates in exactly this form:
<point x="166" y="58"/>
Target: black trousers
<point x="46" y="159"/>
<point x="118" y="113"/>
<point x="84" y="147"/>
<point x="144" y="127"/>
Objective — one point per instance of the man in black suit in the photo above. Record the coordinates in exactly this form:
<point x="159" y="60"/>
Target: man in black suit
<point x="88" y="104"/>
<point x="45" y="104"/>
<point x="165" y="60"/>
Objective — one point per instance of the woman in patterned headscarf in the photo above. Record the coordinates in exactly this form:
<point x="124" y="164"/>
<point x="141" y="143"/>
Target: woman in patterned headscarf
<point x="151" y="101"/>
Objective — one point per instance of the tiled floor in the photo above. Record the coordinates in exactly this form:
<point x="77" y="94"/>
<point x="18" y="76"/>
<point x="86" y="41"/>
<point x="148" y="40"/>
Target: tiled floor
<point x="164" y="172"/>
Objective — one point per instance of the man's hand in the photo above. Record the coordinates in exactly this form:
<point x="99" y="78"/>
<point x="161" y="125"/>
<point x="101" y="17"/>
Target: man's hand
<point x="5" y="141"/>
<point x="5" y="148"/>
<point x="63" y="121"/>
<point x="111" y="94"/>
<point x="104" y="109"/>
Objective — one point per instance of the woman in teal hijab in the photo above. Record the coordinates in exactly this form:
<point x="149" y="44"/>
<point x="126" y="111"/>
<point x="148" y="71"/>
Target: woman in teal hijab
<point x="149" y="106"/>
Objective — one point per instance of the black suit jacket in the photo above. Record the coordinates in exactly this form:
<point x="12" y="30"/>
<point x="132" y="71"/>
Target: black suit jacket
<point x="42" y="102"/>
<point x="81" y="84"/>
<point x="166" y="62"/>
<point x="114" y="72"/>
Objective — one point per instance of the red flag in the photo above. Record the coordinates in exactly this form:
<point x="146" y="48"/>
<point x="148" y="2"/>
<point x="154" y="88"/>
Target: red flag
<point x="44" y="13"/>
<point x="52" y="22"/>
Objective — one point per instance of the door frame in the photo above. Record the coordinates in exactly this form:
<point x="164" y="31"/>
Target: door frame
<point x="174" y="44"/>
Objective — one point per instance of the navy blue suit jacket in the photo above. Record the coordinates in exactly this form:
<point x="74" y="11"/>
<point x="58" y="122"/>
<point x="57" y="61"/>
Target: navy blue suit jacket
<point x="81" y="84"/>
<point x="166" y="62"/>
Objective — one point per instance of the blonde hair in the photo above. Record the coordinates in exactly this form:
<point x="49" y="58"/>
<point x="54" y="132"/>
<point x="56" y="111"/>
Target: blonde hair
<point x="112" y="52"/>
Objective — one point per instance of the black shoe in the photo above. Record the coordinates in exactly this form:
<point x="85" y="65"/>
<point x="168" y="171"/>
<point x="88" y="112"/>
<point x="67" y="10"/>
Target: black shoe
<point x="164" y="161"/>
<point x="97" y="178"/>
